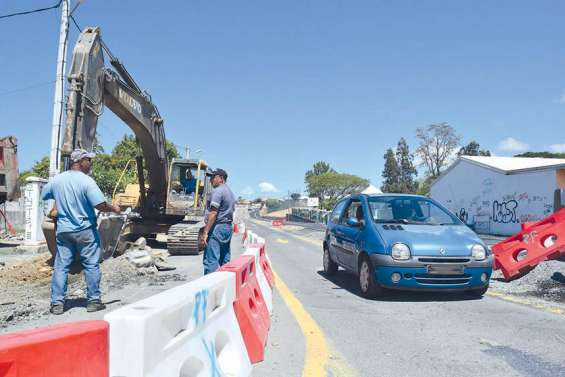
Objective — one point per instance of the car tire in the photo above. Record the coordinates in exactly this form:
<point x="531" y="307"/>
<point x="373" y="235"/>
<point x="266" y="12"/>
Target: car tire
<point x="330" y="267"/>
<point x="368" y="286"/>
<point x="478" y="293"/>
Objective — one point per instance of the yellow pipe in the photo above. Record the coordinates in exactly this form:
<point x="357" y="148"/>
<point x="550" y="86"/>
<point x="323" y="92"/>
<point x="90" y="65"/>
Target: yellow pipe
<point x="197" y="184"/>
<point x="118" y="183"/>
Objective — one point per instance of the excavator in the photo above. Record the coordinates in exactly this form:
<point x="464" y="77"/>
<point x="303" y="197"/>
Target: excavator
<point x="170" y="197"/>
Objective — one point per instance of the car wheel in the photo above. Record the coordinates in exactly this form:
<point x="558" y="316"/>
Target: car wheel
<point x="367" y="284"/>
<point x="330" y="267"/>
<point x="477" y="292"/>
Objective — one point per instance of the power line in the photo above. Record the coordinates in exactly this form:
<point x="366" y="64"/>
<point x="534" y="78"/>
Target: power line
<point x="32" y="86"/>
<point x="32" y="11"/>
<point x="76" y="24"/>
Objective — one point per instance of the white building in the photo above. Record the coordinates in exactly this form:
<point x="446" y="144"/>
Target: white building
<point x="496" y="194"/>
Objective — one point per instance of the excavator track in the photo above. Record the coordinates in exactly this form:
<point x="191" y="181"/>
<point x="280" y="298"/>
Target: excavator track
<point x="183" y="239"/>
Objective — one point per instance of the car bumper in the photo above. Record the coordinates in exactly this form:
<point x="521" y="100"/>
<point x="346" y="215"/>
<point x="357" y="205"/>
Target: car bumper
<point x="414" y="275"/>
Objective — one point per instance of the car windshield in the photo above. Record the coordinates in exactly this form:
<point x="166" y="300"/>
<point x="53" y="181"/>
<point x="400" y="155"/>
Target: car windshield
<point x="409" y="210"/>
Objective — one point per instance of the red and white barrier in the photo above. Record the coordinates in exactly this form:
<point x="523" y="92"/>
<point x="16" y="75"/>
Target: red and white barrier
<point x="250" y="307"/>
<point x="189" y="330"/>
<point x="216" y="325"/>
<point x="75" y="349"/>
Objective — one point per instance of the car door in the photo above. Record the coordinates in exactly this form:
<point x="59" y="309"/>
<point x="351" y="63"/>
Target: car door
<point x="348" y="235"/>
<point x="332" y="228"/>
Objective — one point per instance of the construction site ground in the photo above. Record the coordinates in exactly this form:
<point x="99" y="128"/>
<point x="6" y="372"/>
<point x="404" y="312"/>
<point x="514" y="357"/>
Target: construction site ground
<point x="25" y="285"/>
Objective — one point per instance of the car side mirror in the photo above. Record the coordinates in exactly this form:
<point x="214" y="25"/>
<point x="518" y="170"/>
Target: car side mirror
<point x="352" y="221"/>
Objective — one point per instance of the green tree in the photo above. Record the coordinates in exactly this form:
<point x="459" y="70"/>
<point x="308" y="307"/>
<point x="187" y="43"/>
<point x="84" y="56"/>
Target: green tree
<point x="473" y="149"/>
<point x="319" y="168"/>
<point x="391" y="173"/>
<point x="541" y="154"/>
<point x="273" y="204"/>
<point x="424" y="185"/>
<point x="437" y="143"/>
<point x="405" y="160"/>
<point x="332" y="186"/>
<point x="39" y="169"/>
<point x="295" y="196"/>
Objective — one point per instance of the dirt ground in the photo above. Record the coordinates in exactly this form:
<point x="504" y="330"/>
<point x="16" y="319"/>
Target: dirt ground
<point x="25" y="285"/>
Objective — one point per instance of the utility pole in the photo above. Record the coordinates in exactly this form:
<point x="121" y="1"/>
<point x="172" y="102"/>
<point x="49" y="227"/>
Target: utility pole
<point x="55" y="156"/>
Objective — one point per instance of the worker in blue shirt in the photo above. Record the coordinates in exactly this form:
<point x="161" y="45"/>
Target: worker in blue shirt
<point x="76" y="195"/>
<point x="218" y="217"/>
<point x="189" y="183"/>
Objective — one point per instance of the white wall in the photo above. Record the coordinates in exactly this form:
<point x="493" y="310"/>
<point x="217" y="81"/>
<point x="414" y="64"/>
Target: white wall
<point x="495" y="203"/>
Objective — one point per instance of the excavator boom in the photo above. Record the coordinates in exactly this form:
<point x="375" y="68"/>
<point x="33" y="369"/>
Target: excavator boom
<point x="93" y="86"/>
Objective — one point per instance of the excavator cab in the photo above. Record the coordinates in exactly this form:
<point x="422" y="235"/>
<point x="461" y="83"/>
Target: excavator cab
<point x="189" y="186"/>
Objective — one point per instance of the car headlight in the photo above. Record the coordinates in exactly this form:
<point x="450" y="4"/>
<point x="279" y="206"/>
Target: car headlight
<point x="400" y="251"/>
<point x="478" y="252"/>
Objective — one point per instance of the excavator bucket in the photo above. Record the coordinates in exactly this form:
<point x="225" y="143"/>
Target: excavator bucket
<point x="537" y="242"/>
<point x="109" y="228"/>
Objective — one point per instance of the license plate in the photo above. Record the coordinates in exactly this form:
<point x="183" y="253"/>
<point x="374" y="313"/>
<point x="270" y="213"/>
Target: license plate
<point x="445" y="269"/>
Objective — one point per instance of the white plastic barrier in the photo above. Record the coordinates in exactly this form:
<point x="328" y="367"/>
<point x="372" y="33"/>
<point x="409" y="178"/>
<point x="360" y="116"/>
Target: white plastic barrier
<point x="263" y="283"/>
<point x="187" y="331"/>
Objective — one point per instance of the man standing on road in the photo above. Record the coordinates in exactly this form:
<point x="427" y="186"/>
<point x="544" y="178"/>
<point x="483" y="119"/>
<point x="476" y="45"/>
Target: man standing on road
<point x="218" y="217"/>
<point x="76" y="195"/>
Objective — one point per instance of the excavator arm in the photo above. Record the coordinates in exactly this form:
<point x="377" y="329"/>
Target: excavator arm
<point x="93" y="86"/>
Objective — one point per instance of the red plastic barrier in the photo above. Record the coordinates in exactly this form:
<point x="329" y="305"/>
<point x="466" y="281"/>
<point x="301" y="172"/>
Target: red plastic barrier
<point x="277" y="223"/>
<point x="266" y="266"/>
<point x="244" y="236"/>
<point x="76" y="349"/>
<point x="538" y="241"/>
<point x="250" y="307"/>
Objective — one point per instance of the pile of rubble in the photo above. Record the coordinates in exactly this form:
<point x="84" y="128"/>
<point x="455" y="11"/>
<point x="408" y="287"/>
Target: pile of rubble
<point x="546" y="281"/>
<point x="25" y="285"/>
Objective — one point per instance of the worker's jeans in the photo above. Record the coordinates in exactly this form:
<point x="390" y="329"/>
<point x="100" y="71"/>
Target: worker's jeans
<point x="87" y="244"/>
<point x="217" y="252"/>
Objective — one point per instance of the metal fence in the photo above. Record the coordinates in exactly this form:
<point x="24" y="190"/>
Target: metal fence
<point x="311" y="214"/>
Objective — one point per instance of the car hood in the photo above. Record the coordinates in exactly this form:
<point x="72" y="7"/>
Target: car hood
<point x="428" y="240"/>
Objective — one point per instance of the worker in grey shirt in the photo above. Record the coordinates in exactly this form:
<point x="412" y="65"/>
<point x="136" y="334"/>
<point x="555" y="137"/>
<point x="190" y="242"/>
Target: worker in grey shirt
<point x="218" y="217"/>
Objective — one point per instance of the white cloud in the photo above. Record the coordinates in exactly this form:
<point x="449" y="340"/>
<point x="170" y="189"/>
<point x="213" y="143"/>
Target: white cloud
<point x="512" y="145"/>
<point x="247" y="191"/>
<point x="267" y="187"/>
<point x="557" y="148"/>
<point x="562" y="98"/>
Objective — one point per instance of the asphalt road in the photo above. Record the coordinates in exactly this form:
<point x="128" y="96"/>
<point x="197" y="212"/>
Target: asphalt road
<point x="403" y="334"/>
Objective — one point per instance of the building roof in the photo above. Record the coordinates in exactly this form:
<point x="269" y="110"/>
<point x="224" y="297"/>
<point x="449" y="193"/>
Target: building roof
<point x="509" y="165"/>
<point x="371" y="190"/>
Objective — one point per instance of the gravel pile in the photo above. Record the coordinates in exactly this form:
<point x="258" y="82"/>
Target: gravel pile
<point x="25" y="286"/>
<point x="546" y="281"/>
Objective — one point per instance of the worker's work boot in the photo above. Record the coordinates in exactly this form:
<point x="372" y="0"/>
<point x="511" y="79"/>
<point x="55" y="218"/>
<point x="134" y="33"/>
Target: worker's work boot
<point x="95" y="305"/>
<point x="57" y="309"/>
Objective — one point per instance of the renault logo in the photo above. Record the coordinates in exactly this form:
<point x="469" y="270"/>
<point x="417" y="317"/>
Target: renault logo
<point x="442" y="251"/>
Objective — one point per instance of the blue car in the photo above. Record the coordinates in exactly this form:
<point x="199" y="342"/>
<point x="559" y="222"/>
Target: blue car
<point x="409" y="242"/>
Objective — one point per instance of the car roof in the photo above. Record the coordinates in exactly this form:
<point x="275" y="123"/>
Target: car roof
<point x="393" y="194"/>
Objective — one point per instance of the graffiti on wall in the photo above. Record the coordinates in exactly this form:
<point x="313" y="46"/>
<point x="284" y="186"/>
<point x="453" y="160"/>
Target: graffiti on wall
<point x="504" y="212"/>
<point x="463" y="215"/>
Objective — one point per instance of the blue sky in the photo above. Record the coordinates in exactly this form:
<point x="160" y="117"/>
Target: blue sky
<point x="267" y="88"/>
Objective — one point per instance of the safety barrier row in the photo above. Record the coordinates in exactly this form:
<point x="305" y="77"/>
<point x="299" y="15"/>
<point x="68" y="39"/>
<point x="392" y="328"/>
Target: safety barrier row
<point x="216" y="325"/>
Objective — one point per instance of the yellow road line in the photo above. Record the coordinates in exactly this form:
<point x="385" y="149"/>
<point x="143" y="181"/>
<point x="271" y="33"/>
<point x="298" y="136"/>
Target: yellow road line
<point x="319" y="359"/>
<point x="522" y="301"/>
<point x="316" y="347"/>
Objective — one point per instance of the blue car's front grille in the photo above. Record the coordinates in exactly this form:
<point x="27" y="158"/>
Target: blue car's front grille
<point x="442" y="279"/>
<point x="443" y="260"/>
